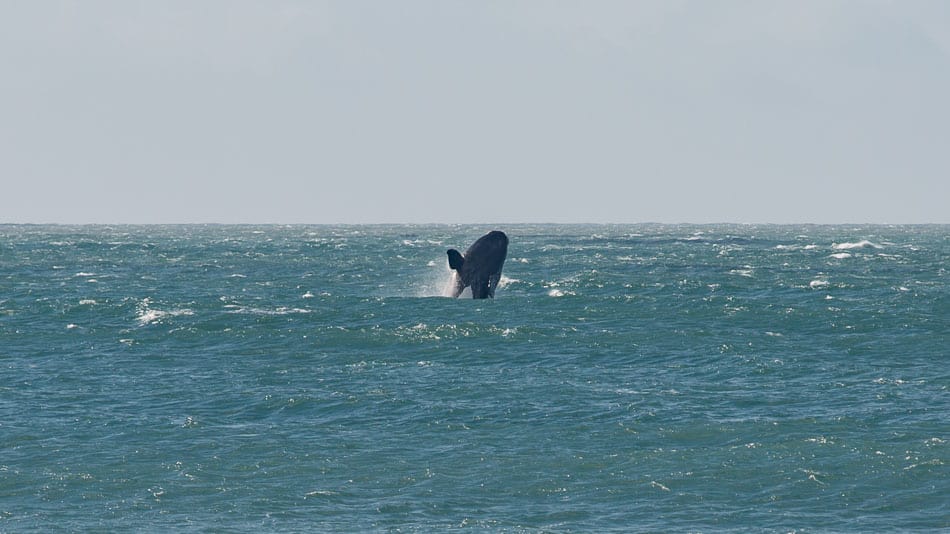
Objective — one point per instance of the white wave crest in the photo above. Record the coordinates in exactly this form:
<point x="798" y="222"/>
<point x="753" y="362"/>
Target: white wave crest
<point x="282" y="310"/>
<point x="154" y="316"/>
<point x="864" y="243"/>
<point x="504" y="281"/>
<point x="147" y="315"/>
<point x="559" y="293"/>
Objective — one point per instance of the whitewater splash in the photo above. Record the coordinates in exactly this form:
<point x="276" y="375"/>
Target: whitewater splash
<point x="439" y="281"/>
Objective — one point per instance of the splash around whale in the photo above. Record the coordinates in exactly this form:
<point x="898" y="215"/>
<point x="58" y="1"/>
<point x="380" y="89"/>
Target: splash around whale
<point x="480" y="266"/>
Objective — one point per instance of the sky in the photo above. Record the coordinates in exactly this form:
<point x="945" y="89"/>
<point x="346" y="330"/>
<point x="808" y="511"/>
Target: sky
<point x="352" y="111"/>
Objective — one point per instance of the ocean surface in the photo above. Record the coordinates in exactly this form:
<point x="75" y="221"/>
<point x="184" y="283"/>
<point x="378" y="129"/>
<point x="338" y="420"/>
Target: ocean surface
<point x="625" y="378"/>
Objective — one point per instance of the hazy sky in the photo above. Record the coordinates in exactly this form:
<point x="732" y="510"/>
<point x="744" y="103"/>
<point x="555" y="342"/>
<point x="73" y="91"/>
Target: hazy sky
<point x="476" y="111"/>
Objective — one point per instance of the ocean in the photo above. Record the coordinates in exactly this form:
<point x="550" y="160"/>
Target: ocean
<point x="628" y="378"/>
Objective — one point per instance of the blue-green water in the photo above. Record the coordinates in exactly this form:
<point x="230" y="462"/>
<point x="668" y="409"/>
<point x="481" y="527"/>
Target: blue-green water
<point x="627" y="378"/>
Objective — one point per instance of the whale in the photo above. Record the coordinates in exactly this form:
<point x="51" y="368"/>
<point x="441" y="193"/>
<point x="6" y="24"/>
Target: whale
<point x="480" y="266"/>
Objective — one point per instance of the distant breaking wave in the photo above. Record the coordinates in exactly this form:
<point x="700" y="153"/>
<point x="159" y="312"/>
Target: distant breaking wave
<point x="864" y="243"/>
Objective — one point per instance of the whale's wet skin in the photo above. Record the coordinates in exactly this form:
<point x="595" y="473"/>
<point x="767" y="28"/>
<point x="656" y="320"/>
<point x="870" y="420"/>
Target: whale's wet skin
<point x="480" y="267"/>
<point x="644" y="378"/>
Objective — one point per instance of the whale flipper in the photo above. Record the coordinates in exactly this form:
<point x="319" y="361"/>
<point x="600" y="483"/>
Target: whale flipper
<point x="455" y="259"/>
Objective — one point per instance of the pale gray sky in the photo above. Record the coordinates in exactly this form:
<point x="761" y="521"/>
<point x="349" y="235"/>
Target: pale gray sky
<point x="477" y="111"/>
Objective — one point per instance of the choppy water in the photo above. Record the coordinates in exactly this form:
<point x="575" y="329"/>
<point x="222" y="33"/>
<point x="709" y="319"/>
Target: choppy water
<point x="628" y="378"/>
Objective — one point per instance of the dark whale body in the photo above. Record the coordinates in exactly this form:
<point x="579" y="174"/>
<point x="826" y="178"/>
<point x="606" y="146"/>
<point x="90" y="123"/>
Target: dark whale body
<point x="480" y="267"/>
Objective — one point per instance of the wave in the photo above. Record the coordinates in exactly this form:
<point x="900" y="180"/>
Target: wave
<point x="282" y="310"/>
<point x="154" y="316"/>
<point x="504" y="281"/>
<point x="810" y="246"/>
<point x="864" y="243"/>
<point x="555" y="292"/>
<point x="148" y="315"/>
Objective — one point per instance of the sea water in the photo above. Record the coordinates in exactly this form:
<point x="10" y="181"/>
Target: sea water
<point x="625" y="378"/>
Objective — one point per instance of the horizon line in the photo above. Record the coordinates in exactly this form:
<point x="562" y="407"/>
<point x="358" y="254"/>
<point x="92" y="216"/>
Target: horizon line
<point x="482" y="223"/>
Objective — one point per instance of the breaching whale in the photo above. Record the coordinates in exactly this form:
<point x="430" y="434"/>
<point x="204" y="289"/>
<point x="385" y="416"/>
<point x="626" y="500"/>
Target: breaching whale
<point x="480" y="267"/>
